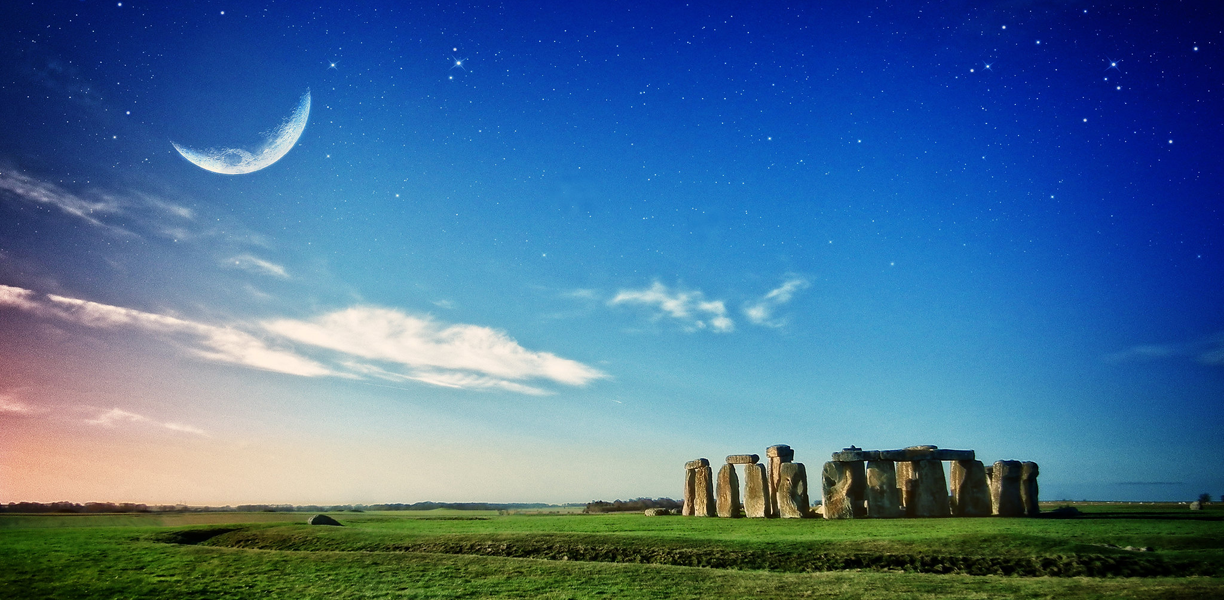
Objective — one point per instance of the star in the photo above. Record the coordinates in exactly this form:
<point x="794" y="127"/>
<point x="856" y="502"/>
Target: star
<point x="1113" y="64"/>
<point x="987" y="67"/>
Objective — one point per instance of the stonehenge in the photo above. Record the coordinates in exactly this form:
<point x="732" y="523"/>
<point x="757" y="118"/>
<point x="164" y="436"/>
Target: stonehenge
<point x="779" y="491"/>
<point x="883" y="484"/>
<point x="857" y="484"/>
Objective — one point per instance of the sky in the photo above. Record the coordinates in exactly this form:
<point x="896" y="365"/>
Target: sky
<point x="550" y="251"/>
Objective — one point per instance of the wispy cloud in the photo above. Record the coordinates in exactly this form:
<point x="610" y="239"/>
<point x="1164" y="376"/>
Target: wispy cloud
<point x="9" y="404"/>
<point x="431" y="351"/>
<point x="761" y="312"/>
<point x="358" y="343"/>
<point x="21" y="187"/>
<point x="1208" y="350"/>
<point x="115" y="416"/>
<point x="689" y="308"/>
<point x="254" y="264"/>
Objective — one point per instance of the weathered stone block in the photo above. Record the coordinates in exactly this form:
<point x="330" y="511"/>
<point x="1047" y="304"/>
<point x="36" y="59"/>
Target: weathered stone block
<point x="883" y="497"/>
<point x="743" y="459"/>
<point x="658" y="512"/>
<point x="697" y="464"/>
<point x="780" y="451"/>
<point x="756" y="489"/>
<point x="1005" y="497"/>
<point x="690" y="491"/>
<point x="970" y="489"/>
<point x="838" y="489"/>
<point x="703" y="503"/>
<point x="906" y="484"/>
<point x="728" y="492"/>
<point x="1028" y="489"/>
<point x="930" y="495"/>
<point x="792" y="491"/>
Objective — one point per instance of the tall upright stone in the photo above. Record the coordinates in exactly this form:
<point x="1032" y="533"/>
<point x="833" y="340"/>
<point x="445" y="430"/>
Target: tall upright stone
<point x="970" y="489"/>
<point x="703" y="503"/>
<point x="690" y="485"/>
<point x="907" y="485"/>
<point x="777" y="455"/>
<point x="1005" y="497"/>
<point x="756" y="491"/>
<point x="792" y="491"/>
<point x="690" y="492"/>
<point x="728" y="492"/>
<point x="883" y="497"/>
<point x="1028" y="489"/>
<point x="839" y="489"/>
<point x="930" y="496"/>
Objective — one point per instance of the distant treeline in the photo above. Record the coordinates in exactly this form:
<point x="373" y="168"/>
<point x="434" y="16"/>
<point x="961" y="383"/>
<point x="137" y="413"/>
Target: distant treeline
<point x="128" y="507"/>
<point x="638" y="504"/>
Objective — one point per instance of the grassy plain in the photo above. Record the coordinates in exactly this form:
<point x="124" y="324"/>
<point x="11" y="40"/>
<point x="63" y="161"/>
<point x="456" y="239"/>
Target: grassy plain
<point x="451" y="554"/>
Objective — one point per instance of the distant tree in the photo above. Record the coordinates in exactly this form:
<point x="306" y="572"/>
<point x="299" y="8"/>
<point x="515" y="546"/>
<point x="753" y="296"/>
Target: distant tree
<point x="1205" y="498"/>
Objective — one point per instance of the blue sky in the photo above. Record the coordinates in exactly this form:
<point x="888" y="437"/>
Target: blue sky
<point x="551" y="252"/>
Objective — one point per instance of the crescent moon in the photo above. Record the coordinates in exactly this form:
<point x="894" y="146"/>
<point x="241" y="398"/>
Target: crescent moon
<point x="236" y="161"/>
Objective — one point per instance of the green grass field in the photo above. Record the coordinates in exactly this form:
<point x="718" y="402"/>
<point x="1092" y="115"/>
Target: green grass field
<point x="452" y="554"/>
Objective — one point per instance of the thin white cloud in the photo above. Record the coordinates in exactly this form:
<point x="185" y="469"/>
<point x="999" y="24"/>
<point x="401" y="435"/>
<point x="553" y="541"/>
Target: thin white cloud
<point x="212" y="342"/>
<point x="761" y="312"/>
<point x="431" y="351"/>
<point x="364" y="342"/>
<point x="9" y="404"/>
<point x="254" y="264"/>
<point x="1208" y="350"/>
<point x="688" y="308"/>
<point x="24" y="188"/>
<point x="116" y="415"/>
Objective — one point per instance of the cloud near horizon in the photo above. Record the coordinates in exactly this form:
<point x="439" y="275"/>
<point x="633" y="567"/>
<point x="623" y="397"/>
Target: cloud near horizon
<point x="688" y="308"/>
<point x="116" y="415"/>
<point x="1208" y="350"/>
<point x="364" y="342"/>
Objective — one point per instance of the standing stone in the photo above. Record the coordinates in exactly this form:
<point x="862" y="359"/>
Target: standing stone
<point x="690" y="484"/>
<point x="930" y="495"/>
<point x="970" y="489"/>
<point x="728" y="492"/>
<point x="906" y="484"/>
<point x="792" y="491"/>
<point x="703" y="502"/>
<point x="777" y="455"/>
<point x="883" y="497"/>
<point x="756" y="488"/>
<point x="1005" y="497"/>
<point x="837" y="487"/>
<point x="1028" y="489"/>
<point x="1196" y="505"/>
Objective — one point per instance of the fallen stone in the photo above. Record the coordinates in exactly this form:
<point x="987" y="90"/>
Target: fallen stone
<point x="1005" y="498"/>
<point x="792" y="491"/>
<point x="697" y="464"/>
<point x="703" y="501"/>
<point x="743" y="459"/>
<point x="930" y="496"/>
<point x="1028" y="489"/>
<point x="322" y="520"/>
<point x="1064" y="512"/>
<point x="658" y="512"/>
<point x="970" y="489"/>
<point x="756" y="489"/>
<point x="728" y="492"/>
<point x="883" y="497"/>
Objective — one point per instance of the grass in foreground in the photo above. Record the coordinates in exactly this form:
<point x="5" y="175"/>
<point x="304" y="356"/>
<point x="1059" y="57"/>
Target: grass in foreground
<point x="264" y="556"/>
